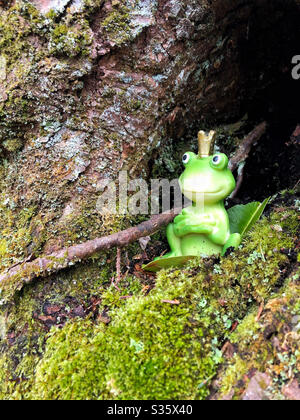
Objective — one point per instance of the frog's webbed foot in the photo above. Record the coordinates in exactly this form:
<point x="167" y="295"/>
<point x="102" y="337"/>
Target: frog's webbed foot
<point x="233" y="241"/>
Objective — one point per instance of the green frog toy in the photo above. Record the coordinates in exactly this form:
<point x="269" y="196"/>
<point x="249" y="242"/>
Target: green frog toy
<point x="202" y="229"/>
<point x="205" y="228"/>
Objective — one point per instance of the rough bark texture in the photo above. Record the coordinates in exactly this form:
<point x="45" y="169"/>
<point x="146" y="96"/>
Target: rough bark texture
<point x="94" y="87"/>
<point x="90" y="87"/>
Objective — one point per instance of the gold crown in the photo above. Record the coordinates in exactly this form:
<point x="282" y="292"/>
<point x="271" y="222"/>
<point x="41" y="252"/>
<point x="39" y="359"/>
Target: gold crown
<point x="206" y="143"/>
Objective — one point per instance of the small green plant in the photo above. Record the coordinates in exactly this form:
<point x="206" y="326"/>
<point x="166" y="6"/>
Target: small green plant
<point x="243" y="217"/>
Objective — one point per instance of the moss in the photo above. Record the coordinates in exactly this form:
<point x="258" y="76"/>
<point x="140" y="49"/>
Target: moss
<point x="17" y="366"/>
<point x="15" y="232"/>
<point x="5" y="388"/>
<point x="261" y="254"/>
<point x="28" y="42"/>
<point x="15" y="387"/>
<point x="15" y="28"/>
<point x="12" y="145"/>
<point x="27" y="324"/>
<point x="162" y="345"/>
<point x="23" y="233"/>
<point x="155" y="349"/>
<point x="52" y="14"/>
<point x="116" y="24"/>
<point x="236" y="371"/>
<point x="269" y="344"/>
<point x="131" y="359"/>
<point x="12" y="35"/>
<point x="86" y="222"/>
<point x="70" y="40"/>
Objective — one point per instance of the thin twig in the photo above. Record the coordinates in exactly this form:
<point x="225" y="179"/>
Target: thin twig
<point x="26" y="272"/>
<point x="296" y="185"/>
<point x="172" y="302"/>
<point x="239" y="181"/>
<point x="206" y="381"/>
<point x="244" y="149"/>
<point x="260" y="311"/>
<point x="115" y="285"/>
<point x="118" y="265"/>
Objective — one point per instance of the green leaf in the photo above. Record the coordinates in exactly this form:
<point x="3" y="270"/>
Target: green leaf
<point x="157" y="265"/>
<point x="242" y="217"/>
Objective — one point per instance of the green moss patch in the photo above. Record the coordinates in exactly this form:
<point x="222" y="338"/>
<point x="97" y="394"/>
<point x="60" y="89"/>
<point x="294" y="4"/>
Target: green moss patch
<point x="159" y="344"/>
<point x="268" y="344"/>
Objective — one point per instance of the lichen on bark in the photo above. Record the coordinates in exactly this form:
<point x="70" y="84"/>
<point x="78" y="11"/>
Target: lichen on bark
<point x="91" y="87"/>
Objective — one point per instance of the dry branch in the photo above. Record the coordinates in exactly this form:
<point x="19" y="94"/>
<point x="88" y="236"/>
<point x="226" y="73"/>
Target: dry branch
<point x="44" y="266"/>
<point x="239" y="158"/>
<point x="244" y="149"/>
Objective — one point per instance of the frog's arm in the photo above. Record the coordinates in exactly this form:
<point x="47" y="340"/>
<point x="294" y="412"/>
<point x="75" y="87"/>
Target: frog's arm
<point x="221" y="231"/>
<point x="181" y="229"/>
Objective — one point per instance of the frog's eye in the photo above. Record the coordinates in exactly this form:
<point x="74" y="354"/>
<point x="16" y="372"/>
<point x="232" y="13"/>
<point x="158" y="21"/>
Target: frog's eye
<point x="219" y="161"/>
<point x="216" y="159"/>
<point x="185" y="158"/>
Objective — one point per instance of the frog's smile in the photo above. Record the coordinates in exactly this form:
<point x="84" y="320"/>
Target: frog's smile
<point x="202" y="192"/>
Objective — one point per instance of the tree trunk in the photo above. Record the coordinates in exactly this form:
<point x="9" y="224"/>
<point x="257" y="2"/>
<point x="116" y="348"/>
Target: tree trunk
<point x="92" y="87"/>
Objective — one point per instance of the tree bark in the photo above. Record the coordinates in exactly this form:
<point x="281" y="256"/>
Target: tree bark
<point x="88" y="89"/>
<point x="92" y="87"/>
